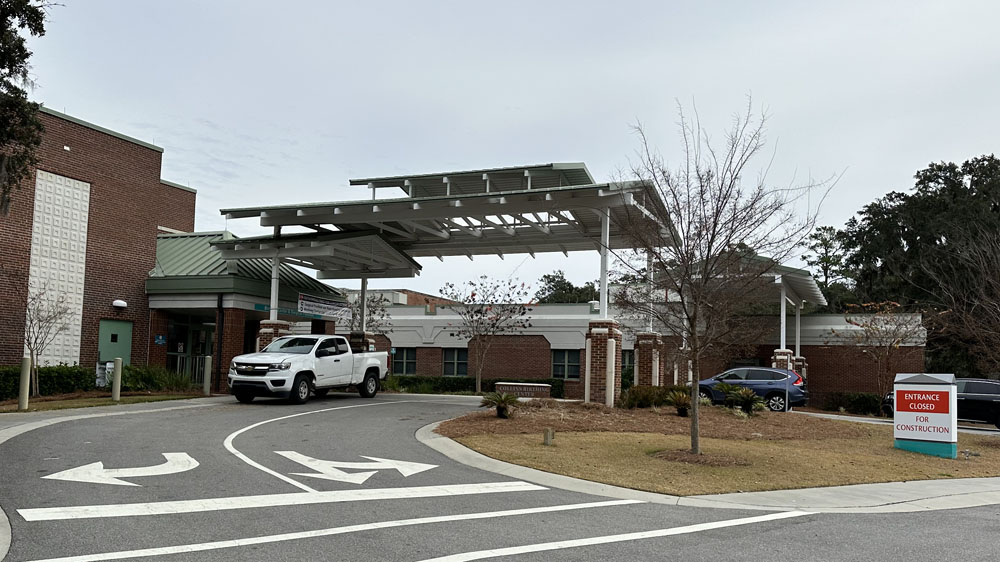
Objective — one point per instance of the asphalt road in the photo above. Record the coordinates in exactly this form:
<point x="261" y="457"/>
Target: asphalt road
<point x="239" y="482"/>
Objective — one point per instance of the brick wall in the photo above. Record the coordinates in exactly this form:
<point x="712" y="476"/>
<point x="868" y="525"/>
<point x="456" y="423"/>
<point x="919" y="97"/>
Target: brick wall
<point x="515" y="357"/>
<point x="848" y="369"/>
<point x="429" y="361"/>
<point x="158" y="324"/>
<point x="127" y="203"/>
<point x="233" y="325"/>
<point x="415" y="298"/>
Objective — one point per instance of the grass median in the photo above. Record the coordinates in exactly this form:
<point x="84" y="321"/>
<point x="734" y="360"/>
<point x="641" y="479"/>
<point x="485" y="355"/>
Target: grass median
<point x="648" y="449"/>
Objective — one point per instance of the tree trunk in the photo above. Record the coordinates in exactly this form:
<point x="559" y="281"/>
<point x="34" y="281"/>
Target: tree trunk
<point x="34" y="376"/>
<point x="693" y="348"/>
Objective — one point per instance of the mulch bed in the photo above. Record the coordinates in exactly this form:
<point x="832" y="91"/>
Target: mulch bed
<point x="715" y="422"/>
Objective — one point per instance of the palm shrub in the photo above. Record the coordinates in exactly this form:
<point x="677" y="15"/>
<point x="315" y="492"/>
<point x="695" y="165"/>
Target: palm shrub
<point x="726" y="389"/>
<point x="681" y="400"/>
<point x="745" y="399"/>
<point x="502" y="401"/>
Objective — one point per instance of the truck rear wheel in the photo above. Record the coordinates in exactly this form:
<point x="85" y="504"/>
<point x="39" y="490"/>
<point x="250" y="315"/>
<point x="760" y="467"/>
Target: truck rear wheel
<point x="369" y="386"/>
<point x="300" y="390"/>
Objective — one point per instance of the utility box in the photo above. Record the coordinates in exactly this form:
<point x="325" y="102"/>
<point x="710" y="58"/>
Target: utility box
<point x="925" y="414"/>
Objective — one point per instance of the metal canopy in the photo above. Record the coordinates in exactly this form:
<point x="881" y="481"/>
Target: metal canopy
<point x="555" y="219"/>
<point x="334" y="255"/>
<point x="488" y="180"/>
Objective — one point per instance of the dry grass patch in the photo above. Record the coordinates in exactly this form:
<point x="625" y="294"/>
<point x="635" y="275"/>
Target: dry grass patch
<point x="90" y="399"/>
<point x="647" y="450"/>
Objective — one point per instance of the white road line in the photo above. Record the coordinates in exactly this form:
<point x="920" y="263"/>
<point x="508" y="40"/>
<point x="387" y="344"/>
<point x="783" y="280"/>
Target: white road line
<point x="270" y="500"/>
<point x="200" y="547"/>
<point x="590" y="541"/>
<point x="228" y="443"/>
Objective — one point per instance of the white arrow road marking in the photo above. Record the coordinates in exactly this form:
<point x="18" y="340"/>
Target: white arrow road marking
<point x="329" y="470"/>
<point x="95" y="472"/>
<point x="250" y="541"/>
<point x="589" y="541"/>
<point x="270" y="500"/>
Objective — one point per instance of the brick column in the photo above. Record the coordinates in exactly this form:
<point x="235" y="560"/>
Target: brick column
<point x="157" y="327"/>
<point x="271" y="330"/>
<point x="647" y="347"/>
<point x="782" y="359"/>
<point x="801" y="366"/>
<point x="599" y="333"/>
<point x="233" y="324"/>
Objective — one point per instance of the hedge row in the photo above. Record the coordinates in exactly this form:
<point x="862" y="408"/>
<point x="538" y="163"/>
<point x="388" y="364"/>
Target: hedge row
<point x="861" y="403"/>
<point x="643" y="396"/>
<point x="418" y="384"/>
<point x="63" y="379"/>
<point x="57" y="379"/>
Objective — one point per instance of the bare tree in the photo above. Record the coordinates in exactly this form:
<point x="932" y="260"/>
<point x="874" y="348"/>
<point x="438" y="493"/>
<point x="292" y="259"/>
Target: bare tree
<point x="47" y="315"/>
<point x="881" y="330"/>
<point x="708" y="241"/>
<point x="379" y="321"/>
<point x="487" y="308"/>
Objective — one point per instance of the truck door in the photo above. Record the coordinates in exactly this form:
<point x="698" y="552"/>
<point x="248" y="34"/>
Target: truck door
<point x="341" y="362"/>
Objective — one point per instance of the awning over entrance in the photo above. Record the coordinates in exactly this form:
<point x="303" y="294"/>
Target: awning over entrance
<point x="334" y="255"/>
<point x="554" y="219"/>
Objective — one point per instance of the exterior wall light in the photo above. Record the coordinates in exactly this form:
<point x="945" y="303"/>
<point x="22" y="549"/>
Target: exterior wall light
<point x="118" y="303"/>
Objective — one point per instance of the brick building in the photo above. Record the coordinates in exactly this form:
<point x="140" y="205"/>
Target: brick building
<point x="84" y="225"/>
<point x="556" y="345"/>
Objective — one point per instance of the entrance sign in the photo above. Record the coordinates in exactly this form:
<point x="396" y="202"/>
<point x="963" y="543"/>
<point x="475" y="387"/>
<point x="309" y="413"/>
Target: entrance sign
<point x="309" y="304"/>
<point x="926" y="414"/>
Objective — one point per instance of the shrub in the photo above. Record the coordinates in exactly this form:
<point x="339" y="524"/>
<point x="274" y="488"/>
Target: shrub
<point x="860" y="403"/>
<point x="52" y="379"/>
<point x="746" y="399"/>
<point x="153" y="378"/>
<point x="644" y="396"/>
<point x="726" y="389"/>
<point x="502" y="401"/>
<point x="681" y="400"/>
<point x="423" y="384"/>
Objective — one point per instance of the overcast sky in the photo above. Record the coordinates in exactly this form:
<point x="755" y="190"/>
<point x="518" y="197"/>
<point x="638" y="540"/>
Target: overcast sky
<point x="259" y="103"/>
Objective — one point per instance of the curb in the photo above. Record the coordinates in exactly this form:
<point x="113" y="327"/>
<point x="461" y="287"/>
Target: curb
<point x="887" y="497"/>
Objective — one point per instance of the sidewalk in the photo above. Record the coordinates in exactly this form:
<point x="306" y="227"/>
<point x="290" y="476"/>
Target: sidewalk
<point x="889" y="497"/>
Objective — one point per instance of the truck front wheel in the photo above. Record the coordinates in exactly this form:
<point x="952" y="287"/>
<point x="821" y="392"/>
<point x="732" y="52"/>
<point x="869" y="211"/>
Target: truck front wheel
<point x="369" y="387"/>
<point x="244" y="396"/>
<point x="300" y="390"/>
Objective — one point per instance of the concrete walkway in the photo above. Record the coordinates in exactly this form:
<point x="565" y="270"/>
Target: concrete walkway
<point x="890" y="497"/>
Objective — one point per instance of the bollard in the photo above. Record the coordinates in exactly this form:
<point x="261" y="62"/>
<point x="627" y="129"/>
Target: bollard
<point x="206" y="383"/>
<point x="547" y="436"/>
<point x="22" y="396"/>
<point x="116" y="384"/>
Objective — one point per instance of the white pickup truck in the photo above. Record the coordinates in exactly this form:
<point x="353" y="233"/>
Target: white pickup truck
<point x="293" y="366"/>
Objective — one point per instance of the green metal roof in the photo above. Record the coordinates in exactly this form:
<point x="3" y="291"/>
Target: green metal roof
<point x="190" y="257"/>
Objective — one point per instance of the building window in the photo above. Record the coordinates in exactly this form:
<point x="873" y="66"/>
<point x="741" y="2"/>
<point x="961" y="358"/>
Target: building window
<point x="566" y="363"/>
<point x="456" y="362"/>
<point x="404" y="362"/>
<point x="628" y="361"/>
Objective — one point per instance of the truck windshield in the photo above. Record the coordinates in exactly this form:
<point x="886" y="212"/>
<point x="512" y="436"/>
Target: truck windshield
<point x="290" y="345"/>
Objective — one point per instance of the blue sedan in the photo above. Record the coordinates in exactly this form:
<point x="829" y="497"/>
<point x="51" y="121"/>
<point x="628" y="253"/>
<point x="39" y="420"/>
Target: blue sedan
<point x="780" y="388"/>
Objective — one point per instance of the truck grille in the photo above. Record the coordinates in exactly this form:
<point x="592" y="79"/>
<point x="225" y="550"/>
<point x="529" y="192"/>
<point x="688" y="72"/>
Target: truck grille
<point x="250" y="369"/>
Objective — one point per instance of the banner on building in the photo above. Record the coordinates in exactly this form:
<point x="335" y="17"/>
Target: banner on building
<point x="309" y="304"/>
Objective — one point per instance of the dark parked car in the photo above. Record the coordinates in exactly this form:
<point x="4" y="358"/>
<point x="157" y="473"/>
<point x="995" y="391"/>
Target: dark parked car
<point x="773" y="385"/>
<point x="978" y="400"/>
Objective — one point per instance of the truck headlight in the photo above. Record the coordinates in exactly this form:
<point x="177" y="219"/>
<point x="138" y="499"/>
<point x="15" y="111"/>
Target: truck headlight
<point x="232" y="366"/>
<point x="279" y="366"/>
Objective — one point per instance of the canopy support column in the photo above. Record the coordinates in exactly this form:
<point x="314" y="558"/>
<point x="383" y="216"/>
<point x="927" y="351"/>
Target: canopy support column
<point x="798" y="330"/>
<point x="784" y="299"/>
<point x="364" y="303"/>
<point x="605" y="242"/>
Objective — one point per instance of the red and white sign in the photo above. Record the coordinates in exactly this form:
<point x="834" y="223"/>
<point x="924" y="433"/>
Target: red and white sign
<point x="926" y="412"/>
